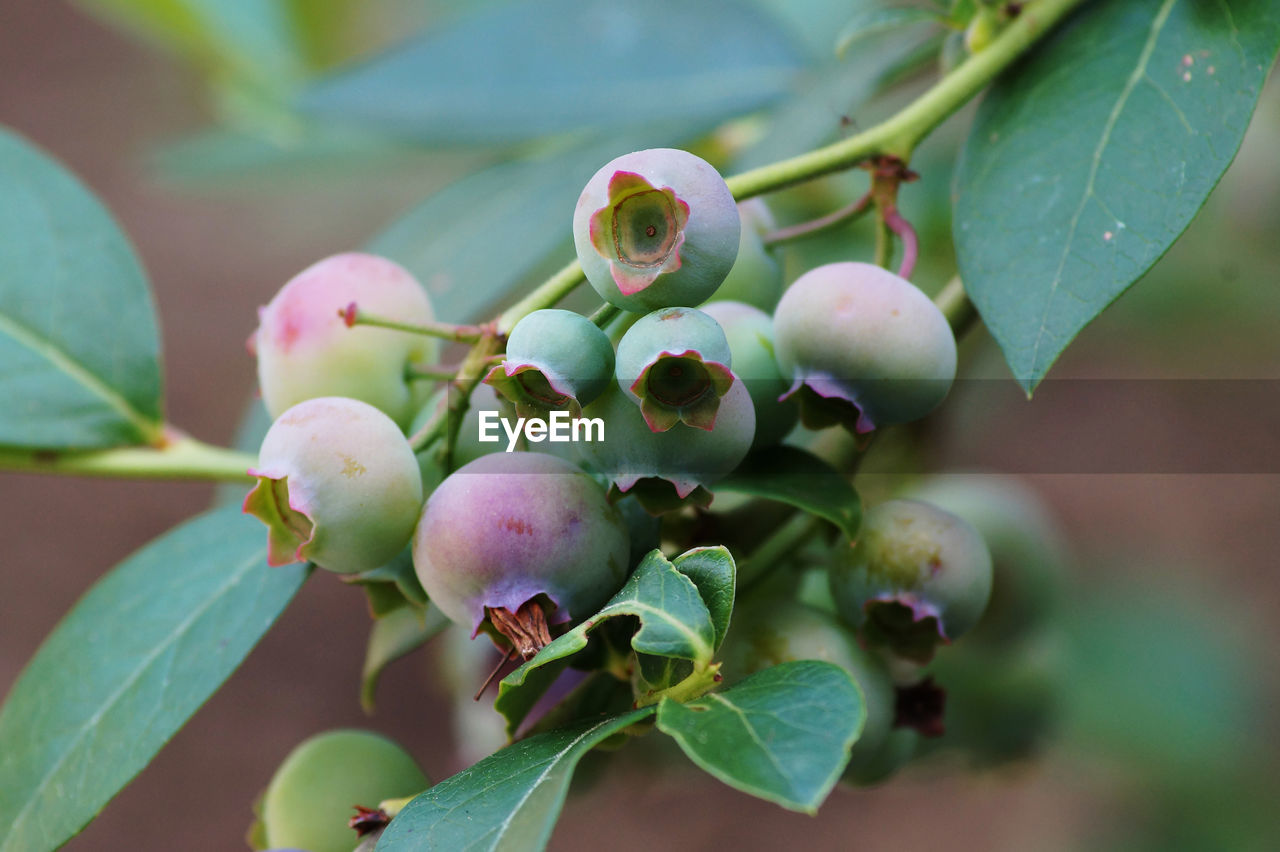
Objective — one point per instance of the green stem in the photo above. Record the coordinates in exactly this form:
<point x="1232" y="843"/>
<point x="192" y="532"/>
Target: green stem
<point x="781" y="542"/>
<point x="544" y="295"/>
<point x="183" y="458"/>
<point x="884" y="242"/>
<point x="899" y="135"/>
<point x="954" y="303"/>
<point x="604" y="314"/>
<point x="448" y="331"/>
<point x="435" y="372"/>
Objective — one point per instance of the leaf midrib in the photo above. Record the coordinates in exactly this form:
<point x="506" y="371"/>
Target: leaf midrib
<point x="249" y="563"/>
<point x="1139" y="71"/>
<point x="62" y="360"/>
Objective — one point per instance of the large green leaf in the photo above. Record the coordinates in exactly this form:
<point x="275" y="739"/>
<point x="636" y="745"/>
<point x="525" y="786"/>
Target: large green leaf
<point x="518" y="71"/>
<point x="782" y="734"/>
<point x="472" y="241"/>
<point x="135" y="658"/>
<point x="798" y="478"/>
<point x="257" y="39"/>
<point x="508" y="801"/>
<point x="1087" y="161"/>
<point x="675" y="624"/>
<point x="79" y="349"/>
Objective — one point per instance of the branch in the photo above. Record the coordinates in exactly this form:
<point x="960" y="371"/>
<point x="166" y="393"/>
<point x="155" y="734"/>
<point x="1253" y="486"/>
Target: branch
<point x="182" y="458"/>
<point x="899" y="135"/>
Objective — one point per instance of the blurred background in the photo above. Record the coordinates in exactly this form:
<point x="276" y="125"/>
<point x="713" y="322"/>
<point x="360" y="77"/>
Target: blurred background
<point x="1138" y="714"/>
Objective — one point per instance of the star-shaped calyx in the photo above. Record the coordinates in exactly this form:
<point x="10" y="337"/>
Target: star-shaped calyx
<point x="640" y="231"/>
<point x="681" y="387"/>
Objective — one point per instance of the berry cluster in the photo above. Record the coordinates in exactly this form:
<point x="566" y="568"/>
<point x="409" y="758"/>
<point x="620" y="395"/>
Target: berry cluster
<point x="521" y="545"/>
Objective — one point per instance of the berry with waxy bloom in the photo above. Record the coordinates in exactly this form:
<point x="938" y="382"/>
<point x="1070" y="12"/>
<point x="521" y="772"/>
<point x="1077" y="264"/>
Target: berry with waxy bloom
<point x="305" y="348"/>
<point x="556" y="361"/>
<point x="667" y="469"/>
<point x="656" y="228"/>
<point x="916" y="577"/>
<point x="1027" y="553"/>
<point x="675" y="364"/>
<point x="749" y="331"/>
<point x="756" y="276"/>
<point x="864" y="347"/>
<point x="515" y="543"/>
<point x="337" y="485"/>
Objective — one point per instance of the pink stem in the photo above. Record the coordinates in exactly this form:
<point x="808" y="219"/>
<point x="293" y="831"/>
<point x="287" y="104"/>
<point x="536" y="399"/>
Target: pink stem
<point x="910" y="242"/>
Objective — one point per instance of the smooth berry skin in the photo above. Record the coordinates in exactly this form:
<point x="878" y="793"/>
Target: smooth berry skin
<point x="749" y="332"/>
<point x="305" y="348"/>
<point x="756" y="276"/>
<point x="556" y="361"/>
<point x="315" y="789"/>
<point x="854" y="334"/>
<point x="917" y="577"/>
<point x="688" y="460"/>
<point x="766" y="634"/>
<point x="675" y="363"/>
<point x="1027" y="550"/>
<point x="509" y="527"/>
<point x="337" y="485"/>
<point x="656" y="228"/>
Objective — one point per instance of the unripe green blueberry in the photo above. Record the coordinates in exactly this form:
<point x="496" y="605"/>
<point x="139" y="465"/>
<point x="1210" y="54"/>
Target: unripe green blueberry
<point x="916" y="577"/>
<point x="749" y="331"/>
<point x="683" y="460"/>
<point x="315" y="791"/>
<point x="556" y="361"/>
<point x="756" y="277"/>
<point x="656" y="228"/>
<point x="305" y="348"/>
<point x="863" y="347"/>
<point x="674" y="363"/>
<point x="514" y="539"/>
<point x="337" y="485"/>
<point x="767" y="634"/>
<point x="1027" y="553"/>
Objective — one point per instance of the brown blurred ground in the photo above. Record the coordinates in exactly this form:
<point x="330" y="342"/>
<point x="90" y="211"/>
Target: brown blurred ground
<point x="98" y="102"/>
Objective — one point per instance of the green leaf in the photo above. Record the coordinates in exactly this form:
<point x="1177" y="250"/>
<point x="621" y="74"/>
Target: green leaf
<point x="713" y="571"/>
<point x="251" y="38"/>
<point x="1088" y="160"/>
<point x="211" y="157"/>
<point x="79" y="349"/>
<point x="798" y="478"/>
<point x="519" y="71"/>
<point x="473" y="241"/>
<point x="508" y="801"/>
<point x="782" y="734"/>
<point x="674" y="623"/>
<point x="135" y="658"/>
<point x="392" y="636"/>
<point x="813" y="21"/>
<point x="811" y="117"/>
<point x="875" y="22"/>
